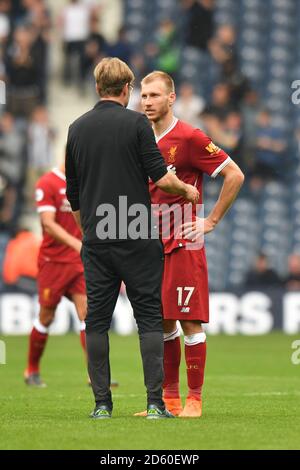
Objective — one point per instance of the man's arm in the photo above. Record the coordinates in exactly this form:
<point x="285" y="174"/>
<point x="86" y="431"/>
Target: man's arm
<point x="233" y="180"/>
<point x="171" y="184"/>
<point x="72" y="191"/>
<point x="58" y="232"/>
<point x="77" y="218"/>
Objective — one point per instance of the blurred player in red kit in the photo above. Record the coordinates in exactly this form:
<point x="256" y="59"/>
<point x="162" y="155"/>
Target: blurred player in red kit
<point x="60" y="270"/>
<point x="185" y="295"/>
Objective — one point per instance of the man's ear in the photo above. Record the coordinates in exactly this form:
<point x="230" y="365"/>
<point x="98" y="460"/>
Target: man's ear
<point x="172" y="98"/>
<point x="125" y="90"/>
<point x="97" y="89"/>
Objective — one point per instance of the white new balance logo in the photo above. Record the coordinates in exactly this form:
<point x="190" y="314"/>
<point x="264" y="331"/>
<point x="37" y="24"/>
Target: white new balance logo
<point x="185" y="310"/>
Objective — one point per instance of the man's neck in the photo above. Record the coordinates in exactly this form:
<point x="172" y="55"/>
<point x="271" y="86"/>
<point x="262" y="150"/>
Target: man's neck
<point x="62" y="168"/>
<point x="161" y="126"/>
<point x="116" y="99"/>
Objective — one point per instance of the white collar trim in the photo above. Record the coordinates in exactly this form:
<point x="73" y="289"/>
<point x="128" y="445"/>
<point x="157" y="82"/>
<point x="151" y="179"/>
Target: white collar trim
<point x="59" y="173"/>
<point x="171" y="127"/>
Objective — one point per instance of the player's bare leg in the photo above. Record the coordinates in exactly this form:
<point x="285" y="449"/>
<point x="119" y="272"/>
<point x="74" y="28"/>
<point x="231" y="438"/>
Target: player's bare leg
<point x="37" y="343"/>
<point x="80" y="302"/>
<point x="195" y="356"/>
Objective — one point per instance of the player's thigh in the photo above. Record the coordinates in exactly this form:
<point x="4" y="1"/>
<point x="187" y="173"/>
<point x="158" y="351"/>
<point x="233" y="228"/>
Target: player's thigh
<point x="80" y="302"/>
<point x="76" y="291"/>
<point x="52" y="281"/>
<point x="185" y="286"/>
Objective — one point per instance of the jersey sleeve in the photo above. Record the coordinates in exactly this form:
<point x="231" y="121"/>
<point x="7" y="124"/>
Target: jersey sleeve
<point x="44" y="197"/>
<point x="205" y="155"/>
<point x="72" y="182"/>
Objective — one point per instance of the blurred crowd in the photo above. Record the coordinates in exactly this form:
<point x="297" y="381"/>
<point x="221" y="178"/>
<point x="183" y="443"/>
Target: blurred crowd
<point x="262" y="275"/>
<point x="25" y="133"/>
<point x="231" y="111"/>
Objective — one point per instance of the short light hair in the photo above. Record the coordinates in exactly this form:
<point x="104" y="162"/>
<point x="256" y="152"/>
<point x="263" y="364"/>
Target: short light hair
<point x="159" y="75"/>
<point x="111" y="75"/>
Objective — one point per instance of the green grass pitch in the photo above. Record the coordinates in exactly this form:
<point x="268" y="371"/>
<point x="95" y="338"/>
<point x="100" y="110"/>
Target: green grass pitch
<point x="251" y="399"/>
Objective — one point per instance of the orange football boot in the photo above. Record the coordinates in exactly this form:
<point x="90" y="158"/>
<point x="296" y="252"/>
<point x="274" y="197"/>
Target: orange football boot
<point x="174" y="405"/>
<point x="192" y="409"/>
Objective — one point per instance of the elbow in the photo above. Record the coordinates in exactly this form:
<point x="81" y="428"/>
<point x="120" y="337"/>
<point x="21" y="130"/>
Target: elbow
<point x="240" y="178"/>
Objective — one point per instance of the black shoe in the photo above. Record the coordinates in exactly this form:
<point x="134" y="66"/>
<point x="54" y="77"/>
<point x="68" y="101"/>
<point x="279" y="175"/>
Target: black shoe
<point x="101" y="412"/>
<point x="154" y="412"/>
<point x="34" y="380"/>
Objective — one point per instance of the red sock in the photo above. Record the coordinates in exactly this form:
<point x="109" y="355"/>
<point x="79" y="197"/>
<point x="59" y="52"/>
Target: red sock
<point x="195" y="357"/>
<point x="172" y="356"/>
<point x="83" y="340"/>
<point x="37" y="343"/>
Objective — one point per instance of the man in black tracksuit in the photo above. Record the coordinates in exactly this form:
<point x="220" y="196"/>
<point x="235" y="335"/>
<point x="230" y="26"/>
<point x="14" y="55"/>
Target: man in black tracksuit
<point x="111" y="153"/>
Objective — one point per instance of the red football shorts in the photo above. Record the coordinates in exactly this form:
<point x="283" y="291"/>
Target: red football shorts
<point x="185" y="286"/>
<point x="59" y="279"/>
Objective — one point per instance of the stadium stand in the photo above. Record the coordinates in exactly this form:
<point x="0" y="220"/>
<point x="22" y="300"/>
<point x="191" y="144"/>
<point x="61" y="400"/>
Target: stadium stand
<point x="249" y="49"/>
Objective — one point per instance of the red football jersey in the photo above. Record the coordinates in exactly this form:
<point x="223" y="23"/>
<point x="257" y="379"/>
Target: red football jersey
<point x="50" y="195"/>
<point x="191" y="153"/>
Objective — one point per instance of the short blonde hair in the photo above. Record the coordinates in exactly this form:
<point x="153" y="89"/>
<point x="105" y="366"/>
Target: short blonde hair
<point x="159" y="75"/>
<point x="111" y="75"/>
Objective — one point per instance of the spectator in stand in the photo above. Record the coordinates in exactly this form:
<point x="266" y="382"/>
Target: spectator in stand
<point x="292" y="282"/>
<point x="40" y="151"/>
<point x="199" y="22"/>
<point x="5" y="26"/>
<point x="234" y="78"/>
<point x="75" y="24"/>
<point x="189" y="106"/>
<point x="270" y="148"/>
<point x="39" y="19"/>
<point x="8" y="197"/>
<point x="17" y="11"/>
<point x="220" y="103"/>
<point x="168" y="48"/>
<point x="121" y="48"/>
<point x="262" y="275"/>
<point x="226" y="132"/>
<point x="233" y="136"/>
<point x="250" y="109"/>
<point x="22" y="70"/>
<point x="94" y="50"/>
<point x="12" y="150"/>
<point x="222" y="46"/>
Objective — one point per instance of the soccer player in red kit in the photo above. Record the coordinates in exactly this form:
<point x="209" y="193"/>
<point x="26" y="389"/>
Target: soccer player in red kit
<point x="185" y="295"/>
<point x="60" y="270"/>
